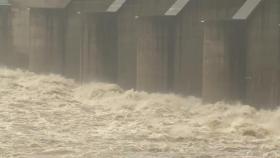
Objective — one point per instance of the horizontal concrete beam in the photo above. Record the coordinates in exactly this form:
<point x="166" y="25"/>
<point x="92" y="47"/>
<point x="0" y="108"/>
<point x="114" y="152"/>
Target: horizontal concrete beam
<point x="4" y="2"/>
<point x="93" y="6"/>
<point x="116" y="5"/>
<point x="177" y="7"/>
<point x="41" y="3"/>
<point x="246" y="10"/>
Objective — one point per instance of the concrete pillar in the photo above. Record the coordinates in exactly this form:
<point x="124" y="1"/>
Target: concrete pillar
<point x="188" y="51"/>
<point x="99" y="48"/>
<point x="20" y="37"/>
<point x="127" y="46"/>
<point x="189" y="41"/>
<point x="127" y="37"/>
<point x="91" y="46"/>
<point x="73" y="44"/>
<point x="223" y="61"/>
<point x="154" y="46"/>
<point x="263" y="56"/>
<point x="5" y="35"/>
<point x="46" y="40"/>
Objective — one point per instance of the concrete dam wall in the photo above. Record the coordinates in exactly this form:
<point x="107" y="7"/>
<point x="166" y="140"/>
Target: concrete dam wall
<point x="220" y="50"/>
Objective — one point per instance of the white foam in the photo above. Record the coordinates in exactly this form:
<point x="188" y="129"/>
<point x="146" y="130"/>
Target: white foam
<point x="50" y="116"/>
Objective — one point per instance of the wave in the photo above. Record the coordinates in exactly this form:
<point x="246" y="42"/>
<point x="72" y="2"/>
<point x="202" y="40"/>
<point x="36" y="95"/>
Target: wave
<point x="51" y="116"/>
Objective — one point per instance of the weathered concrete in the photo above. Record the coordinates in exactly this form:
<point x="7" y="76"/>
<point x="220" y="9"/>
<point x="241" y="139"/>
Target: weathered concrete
<point x="127" y="45"/>
<point x="141" y="58"/>
<point x="37" y="38"/>
<point x="154" y="46"/>
<point x="247" y="9"/>
<point x="189" y="41"/>
<point x="224" y="61"/>
<point x="73" y="44"/>
<point x="40" y="3"/>
<point x="116" y="5"/>
<point x="127" y="38"/>
<point x="177" y="7"/>
<point x="46" y="40"/>
<point x="99" y="48"/>
<point x="91" y="45"/>
<point x="90" y="6"/>
<point x="5" y="35"/>
<point x="20" y="37"/>
<point x="263" y="55"/>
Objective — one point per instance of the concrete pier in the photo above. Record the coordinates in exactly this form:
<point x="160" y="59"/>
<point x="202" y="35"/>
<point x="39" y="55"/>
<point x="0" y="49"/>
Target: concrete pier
<point x="189" y="40"/>
<point x="188" y="50"/>
<point x="99" y="48"/>
<point x="46" y="40"/>
<point x="73" y="44"/>
<point x="154" y="46"/>
<point x="37" y="34"/>
<point x="20" y="37"/>
<point x="224" y="61"/>
<point x="127" y="38"/>
<point x="263" y="55"/>
<point x="5" y="35"/>
<point x="127" y="45"/>
<point x="91" y="42"/>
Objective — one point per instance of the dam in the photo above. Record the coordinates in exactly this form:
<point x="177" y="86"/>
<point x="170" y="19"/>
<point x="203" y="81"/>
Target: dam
<point x="218" y="50"/>
<point x="139" y="78"/>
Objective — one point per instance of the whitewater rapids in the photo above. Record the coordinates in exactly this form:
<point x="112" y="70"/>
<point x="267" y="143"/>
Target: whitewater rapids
<point x="48" y="116"/>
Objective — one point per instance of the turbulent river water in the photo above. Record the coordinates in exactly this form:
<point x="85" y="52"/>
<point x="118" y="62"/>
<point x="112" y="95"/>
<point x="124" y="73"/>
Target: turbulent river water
<point x="48" y="116"/>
